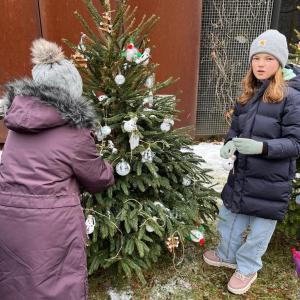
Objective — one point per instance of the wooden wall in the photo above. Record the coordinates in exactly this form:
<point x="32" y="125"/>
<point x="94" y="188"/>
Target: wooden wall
<point x="176" y="36"/>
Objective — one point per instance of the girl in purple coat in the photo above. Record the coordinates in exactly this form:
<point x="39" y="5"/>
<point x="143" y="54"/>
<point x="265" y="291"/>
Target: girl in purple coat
<point x="48" y="156"/>
<point x="265" y="138"/>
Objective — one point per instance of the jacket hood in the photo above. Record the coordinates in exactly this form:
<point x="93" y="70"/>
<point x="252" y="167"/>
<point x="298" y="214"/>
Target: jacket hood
<point x="31" y="107"/>
<point x="295" y="82"/>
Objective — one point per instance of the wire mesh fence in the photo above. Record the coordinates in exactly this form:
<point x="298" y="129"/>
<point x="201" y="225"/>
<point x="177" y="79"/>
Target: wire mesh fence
<point x="228" y="28"/>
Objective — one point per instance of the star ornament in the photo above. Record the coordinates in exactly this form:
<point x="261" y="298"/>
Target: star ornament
<point x="262" y="43"/>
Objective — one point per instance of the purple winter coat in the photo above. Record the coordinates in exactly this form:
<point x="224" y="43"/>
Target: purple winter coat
<point x="48" y="155"/>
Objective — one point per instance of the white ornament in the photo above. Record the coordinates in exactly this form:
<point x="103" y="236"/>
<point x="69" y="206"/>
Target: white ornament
<point x="165" y="127"/>
<point x="100" y="135"/>
<point x="144" y="57"/>
<point x="106" y="130"/>
<point x="131" y="54"/>
<point x="157" y="203"/>
<point x="149" y="83"/>
<point x="130" y="125"/>
<point x="170" y="121"/>
<point x="150" y="228"/>
<point x="196" y="235"/>
<point x="186" y="181"/>
<point x="125" y="66"/>
<point x="134" y="140"/>
<point x="123" y="168"/>
<point x="147" y="155"/>
<point x="148" y="100"/>
<point x="90" y="224"/>
<point x="229" y="163"/>
<point x="81" y="45"/>
<point x="110" y="144"/>
<point x="102" y="98"/>
<point x="119" y="79"/>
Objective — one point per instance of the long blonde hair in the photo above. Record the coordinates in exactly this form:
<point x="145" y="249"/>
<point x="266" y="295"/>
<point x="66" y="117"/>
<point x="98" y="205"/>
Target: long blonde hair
<point x="274" y="93"/>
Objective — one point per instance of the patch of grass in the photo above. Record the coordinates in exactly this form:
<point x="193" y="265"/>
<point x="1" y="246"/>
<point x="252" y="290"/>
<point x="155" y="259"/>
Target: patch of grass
<point x="194" y="279"/>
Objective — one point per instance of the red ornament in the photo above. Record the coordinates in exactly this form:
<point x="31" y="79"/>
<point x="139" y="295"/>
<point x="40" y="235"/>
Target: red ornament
<point x="130" y="46"/>
<point x="202" y="242"/>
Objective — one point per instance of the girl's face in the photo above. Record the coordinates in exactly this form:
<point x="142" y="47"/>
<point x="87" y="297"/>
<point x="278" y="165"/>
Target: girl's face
<point x="264" y="65"/>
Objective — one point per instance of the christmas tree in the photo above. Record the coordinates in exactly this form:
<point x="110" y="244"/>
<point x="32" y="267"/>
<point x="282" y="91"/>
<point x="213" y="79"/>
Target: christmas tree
<point x="161" y="193"/>
<point x="291" y="224"/>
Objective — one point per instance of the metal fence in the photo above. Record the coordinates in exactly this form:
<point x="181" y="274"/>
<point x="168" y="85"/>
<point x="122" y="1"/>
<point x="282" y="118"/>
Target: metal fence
<point x="228" y="28"/>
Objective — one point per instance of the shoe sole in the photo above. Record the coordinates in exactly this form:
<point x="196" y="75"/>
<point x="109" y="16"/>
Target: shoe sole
<point x="244" y="290"/>
<point x="219" y="263"/>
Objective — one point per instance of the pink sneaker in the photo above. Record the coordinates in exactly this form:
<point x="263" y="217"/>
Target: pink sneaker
<point x="239" y="283"/>
<point x="211" y="258"/>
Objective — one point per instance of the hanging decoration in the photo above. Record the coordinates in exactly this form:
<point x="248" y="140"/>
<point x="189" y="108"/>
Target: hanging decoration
<point x="130" y="126"/>
<point x="106" y="25"/>
<point x="102" y="98"/>
<point x="123" y="168"/>
<point x="103" y="132"/>
<point x="134" y="140"/>
<point x="149" y="228"/>
<point x="197" y="236"/>
<point x="90" y="224"/>
<point x="106" y="130"/>
<point x="229" y="163"/>
<point x="111" y="146"/>
<point x="172" y="243"/>
<point x="149" y="83"/>
<point x="147" y="155"/>
<point x="78" y="58"/>
<point x="186" y="181"/>
<point x="166" y="124"/>
<point x="131" y="53"/>
<point x="119" y="79"/>
<point x="148" y="101"/>
<point x="144" y="58"/>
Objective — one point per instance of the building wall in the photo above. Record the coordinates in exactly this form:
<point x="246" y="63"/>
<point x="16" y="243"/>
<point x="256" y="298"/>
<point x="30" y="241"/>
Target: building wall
<point x="176" y="36"/>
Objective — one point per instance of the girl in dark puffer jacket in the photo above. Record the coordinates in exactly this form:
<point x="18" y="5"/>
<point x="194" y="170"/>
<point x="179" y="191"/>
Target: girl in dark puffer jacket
<point x="265" y="138"/>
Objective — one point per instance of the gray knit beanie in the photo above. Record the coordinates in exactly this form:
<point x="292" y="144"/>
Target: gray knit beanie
<point x="271" y="42"/>
<point x="52" y="69"/>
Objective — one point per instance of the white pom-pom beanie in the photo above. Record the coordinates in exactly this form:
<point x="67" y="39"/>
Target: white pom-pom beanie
<point x="52" y="69"/>
<point x="271" y="42"/>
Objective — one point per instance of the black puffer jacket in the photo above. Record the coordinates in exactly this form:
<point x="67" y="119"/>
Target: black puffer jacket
<point x="260" y="185"/>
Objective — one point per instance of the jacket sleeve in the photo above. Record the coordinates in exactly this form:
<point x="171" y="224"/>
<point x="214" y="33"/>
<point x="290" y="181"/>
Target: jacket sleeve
<point x="289" y="144"/>
<point x="234" y="127"/>
<point x="92" y="172"/>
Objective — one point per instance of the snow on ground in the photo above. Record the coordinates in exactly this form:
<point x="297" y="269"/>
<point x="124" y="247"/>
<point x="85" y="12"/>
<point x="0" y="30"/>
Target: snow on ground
<point x="210" y="152"/>
<point x="120" y="295"/>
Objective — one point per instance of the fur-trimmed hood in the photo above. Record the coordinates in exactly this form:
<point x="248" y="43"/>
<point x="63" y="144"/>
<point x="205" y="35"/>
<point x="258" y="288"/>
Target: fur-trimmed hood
<point x="29" y="106"/>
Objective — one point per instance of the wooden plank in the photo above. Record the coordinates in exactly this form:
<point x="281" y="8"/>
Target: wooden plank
<point x="19" y="25"/>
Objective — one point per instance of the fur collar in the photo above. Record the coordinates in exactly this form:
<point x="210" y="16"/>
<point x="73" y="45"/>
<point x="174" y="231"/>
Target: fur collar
<point x="76" y="112"/>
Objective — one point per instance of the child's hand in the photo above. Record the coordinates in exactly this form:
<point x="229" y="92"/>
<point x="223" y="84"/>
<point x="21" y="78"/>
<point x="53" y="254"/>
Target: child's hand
<point x="248" y="146"/>
<point x="227" y="150"/>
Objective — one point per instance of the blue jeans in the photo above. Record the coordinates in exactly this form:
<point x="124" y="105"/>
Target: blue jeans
<point x="233" y="249"/>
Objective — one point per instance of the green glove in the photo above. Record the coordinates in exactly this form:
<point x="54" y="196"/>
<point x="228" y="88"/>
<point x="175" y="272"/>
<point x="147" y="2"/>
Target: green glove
<point x="248" y="146"/>
<point x="288" y="74"/>
<point x="227" y="150"/>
